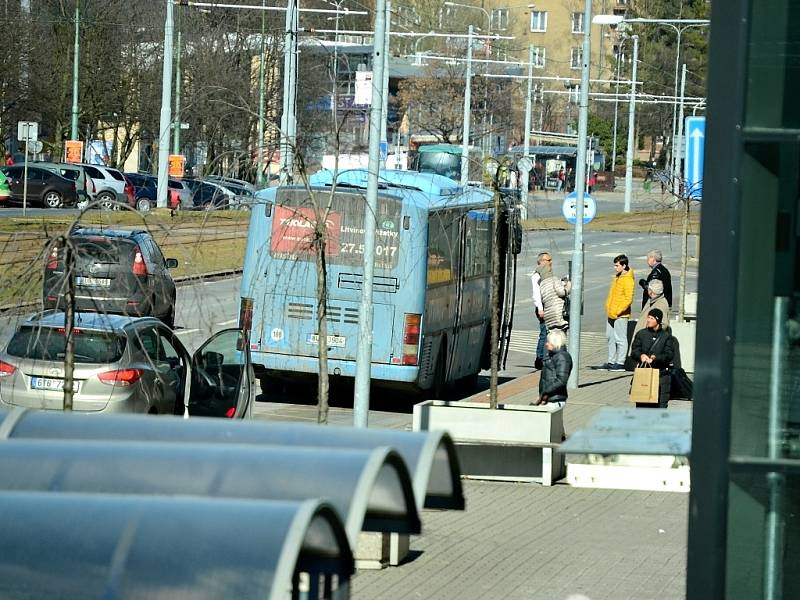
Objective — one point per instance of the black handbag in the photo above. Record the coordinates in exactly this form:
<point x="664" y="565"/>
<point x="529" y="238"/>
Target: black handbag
<point x="565" y="310"/>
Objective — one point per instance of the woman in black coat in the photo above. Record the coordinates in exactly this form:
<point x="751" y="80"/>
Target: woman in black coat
<point x="555" y="373"/>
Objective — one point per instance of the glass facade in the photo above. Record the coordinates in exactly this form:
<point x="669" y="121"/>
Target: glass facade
<point x="745" y="506"/>
<point x="749" y="357"/>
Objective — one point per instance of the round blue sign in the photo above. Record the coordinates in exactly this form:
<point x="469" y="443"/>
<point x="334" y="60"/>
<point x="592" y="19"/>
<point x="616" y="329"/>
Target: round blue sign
<point x="570" y="212"/>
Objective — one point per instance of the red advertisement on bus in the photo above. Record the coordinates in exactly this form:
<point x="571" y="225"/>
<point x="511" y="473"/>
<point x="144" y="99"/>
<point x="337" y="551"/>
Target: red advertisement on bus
<point x="293" y="232"/>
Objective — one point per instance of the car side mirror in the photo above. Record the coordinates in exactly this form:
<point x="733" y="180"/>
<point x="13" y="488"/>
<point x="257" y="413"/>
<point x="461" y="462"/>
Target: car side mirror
<point x="172" y="263"/>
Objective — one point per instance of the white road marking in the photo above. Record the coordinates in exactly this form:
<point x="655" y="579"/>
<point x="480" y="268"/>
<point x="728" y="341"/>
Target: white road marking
<point x="185" y="331"/>
<point x="231" y="322"/>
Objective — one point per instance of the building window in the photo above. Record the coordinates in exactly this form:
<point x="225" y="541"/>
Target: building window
<point x="577" y="22"/>
<point x="499" y="19"/>
<point x="576" y="58"/>
<point x="538" y="57"/>
<point x="539" y="20"/>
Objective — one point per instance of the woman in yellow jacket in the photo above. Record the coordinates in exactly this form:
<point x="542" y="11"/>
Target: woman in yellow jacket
<point x="618" y="311"/>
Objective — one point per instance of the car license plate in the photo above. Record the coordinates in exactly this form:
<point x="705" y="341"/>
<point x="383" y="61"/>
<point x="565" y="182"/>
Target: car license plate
<point x="335" y="341"/>
<point x="93" y="281"/>
<point x="47" y="383"/>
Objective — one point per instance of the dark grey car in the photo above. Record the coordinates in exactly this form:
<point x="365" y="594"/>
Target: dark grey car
<point x="116" y="271"/>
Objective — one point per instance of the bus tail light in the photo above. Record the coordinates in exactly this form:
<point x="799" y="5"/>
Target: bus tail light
<point x="245" y="322"/>
<point x="411" y="331"/>
<point x="246" y="314"/>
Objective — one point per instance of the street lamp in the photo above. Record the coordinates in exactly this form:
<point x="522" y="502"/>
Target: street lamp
<point x="417" y="57"/>
<point x="679" y="26"/>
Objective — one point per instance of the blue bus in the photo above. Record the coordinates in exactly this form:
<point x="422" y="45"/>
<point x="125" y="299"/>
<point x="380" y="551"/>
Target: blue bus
<point x="432" y="281"/>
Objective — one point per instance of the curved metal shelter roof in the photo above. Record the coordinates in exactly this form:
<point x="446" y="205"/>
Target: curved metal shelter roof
<point x="370" y="489"/>
<point x="430" y="456"/>
<point x="57" y="545"/>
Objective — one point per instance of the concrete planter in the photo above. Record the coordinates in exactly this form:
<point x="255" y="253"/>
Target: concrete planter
<point x="685" y="332"/>
<point x="510" y="443"/>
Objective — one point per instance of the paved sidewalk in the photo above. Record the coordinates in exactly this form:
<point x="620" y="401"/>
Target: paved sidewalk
<point x="525" y="541"/>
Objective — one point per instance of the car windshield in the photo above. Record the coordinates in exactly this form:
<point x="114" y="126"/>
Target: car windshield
<point x="49" y="343"/>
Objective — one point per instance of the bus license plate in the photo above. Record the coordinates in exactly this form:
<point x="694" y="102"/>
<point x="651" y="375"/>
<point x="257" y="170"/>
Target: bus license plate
<point x="93" y="281"/>
<point x="335" y="341"/>
<point x="46" y="383"/>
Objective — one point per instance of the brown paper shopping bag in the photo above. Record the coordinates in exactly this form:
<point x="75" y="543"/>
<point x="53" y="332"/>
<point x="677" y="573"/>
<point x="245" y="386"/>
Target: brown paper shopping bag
<point x="644" y="388"/>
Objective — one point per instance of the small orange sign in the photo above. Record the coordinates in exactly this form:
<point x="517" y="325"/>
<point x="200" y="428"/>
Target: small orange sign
<point x="73" y="151"/>
<point x="177" y="163"/>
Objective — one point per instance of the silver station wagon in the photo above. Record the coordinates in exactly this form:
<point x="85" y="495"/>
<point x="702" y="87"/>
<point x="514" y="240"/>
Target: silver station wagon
<point x="125" y="364"/>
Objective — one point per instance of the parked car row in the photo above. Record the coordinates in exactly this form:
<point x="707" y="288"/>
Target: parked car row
<point x="211" y="193"/>
<point x="63" y="185"/>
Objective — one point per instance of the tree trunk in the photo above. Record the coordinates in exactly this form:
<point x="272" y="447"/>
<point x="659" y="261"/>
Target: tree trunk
<point x="323" y="384"/>
<point x="495" y="323"/>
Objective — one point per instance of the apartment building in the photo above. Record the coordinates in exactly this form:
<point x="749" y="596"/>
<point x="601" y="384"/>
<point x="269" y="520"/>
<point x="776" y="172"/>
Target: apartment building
<point x="554" y="28"/>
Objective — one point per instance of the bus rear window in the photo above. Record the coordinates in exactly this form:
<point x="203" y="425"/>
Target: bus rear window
<point x="293" y="226"/>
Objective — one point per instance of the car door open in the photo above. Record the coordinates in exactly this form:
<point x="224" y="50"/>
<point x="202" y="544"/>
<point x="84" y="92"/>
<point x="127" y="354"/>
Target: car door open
<point x="222" y="377"/>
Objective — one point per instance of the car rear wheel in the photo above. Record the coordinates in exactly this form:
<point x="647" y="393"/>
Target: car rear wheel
<point x="52" y="199"/>
<point x="209" y="206"/>
<point x="106" y="200"/>
<point x="143" y="204"/>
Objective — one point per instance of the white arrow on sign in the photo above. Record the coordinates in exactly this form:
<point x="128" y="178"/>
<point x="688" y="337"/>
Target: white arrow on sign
<point x="696" y="136"/>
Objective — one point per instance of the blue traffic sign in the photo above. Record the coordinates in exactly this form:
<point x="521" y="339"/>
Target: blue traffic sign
<point x="384" y="150"/>
<point x="695" y="147"/>
<point x="570" y="212"/>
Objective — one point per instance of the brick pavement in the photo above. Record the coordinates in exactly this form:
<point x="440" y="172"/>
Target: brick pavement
<point x="525" y="541"/>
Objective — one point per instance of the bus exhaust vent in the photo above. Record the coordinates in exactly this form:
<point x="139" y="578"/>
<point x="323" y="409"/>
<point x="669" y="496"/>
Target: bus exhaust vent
<point x="295" y="310"/>
<point x="353" y="281"/>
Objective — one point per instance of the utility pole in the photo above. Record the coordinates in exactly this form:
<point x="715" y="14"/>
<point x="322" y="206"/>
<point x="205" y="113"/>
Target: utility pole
<point x="385" y="84"/>
<point x="288" y="122"/>
<point x="631" y="126"/>
<point x="365" y="313"/>
<point x="526" y="145"/>
<point x="73" y="135"/>
<point x="166" y="117"/>
<point x="176" y="134"/>
<point x="260" y="129"/>
<point x="580" y="183"/>
<point x="467" y="103"/>
<point x="616" y="111"/>
<point x="686" y="197"/>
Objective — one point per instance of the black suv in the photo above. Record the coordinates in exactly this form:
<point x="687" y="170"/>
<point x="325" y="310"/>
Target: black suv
<point x="116" y="271"/>
<point x="44" y="187"/>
